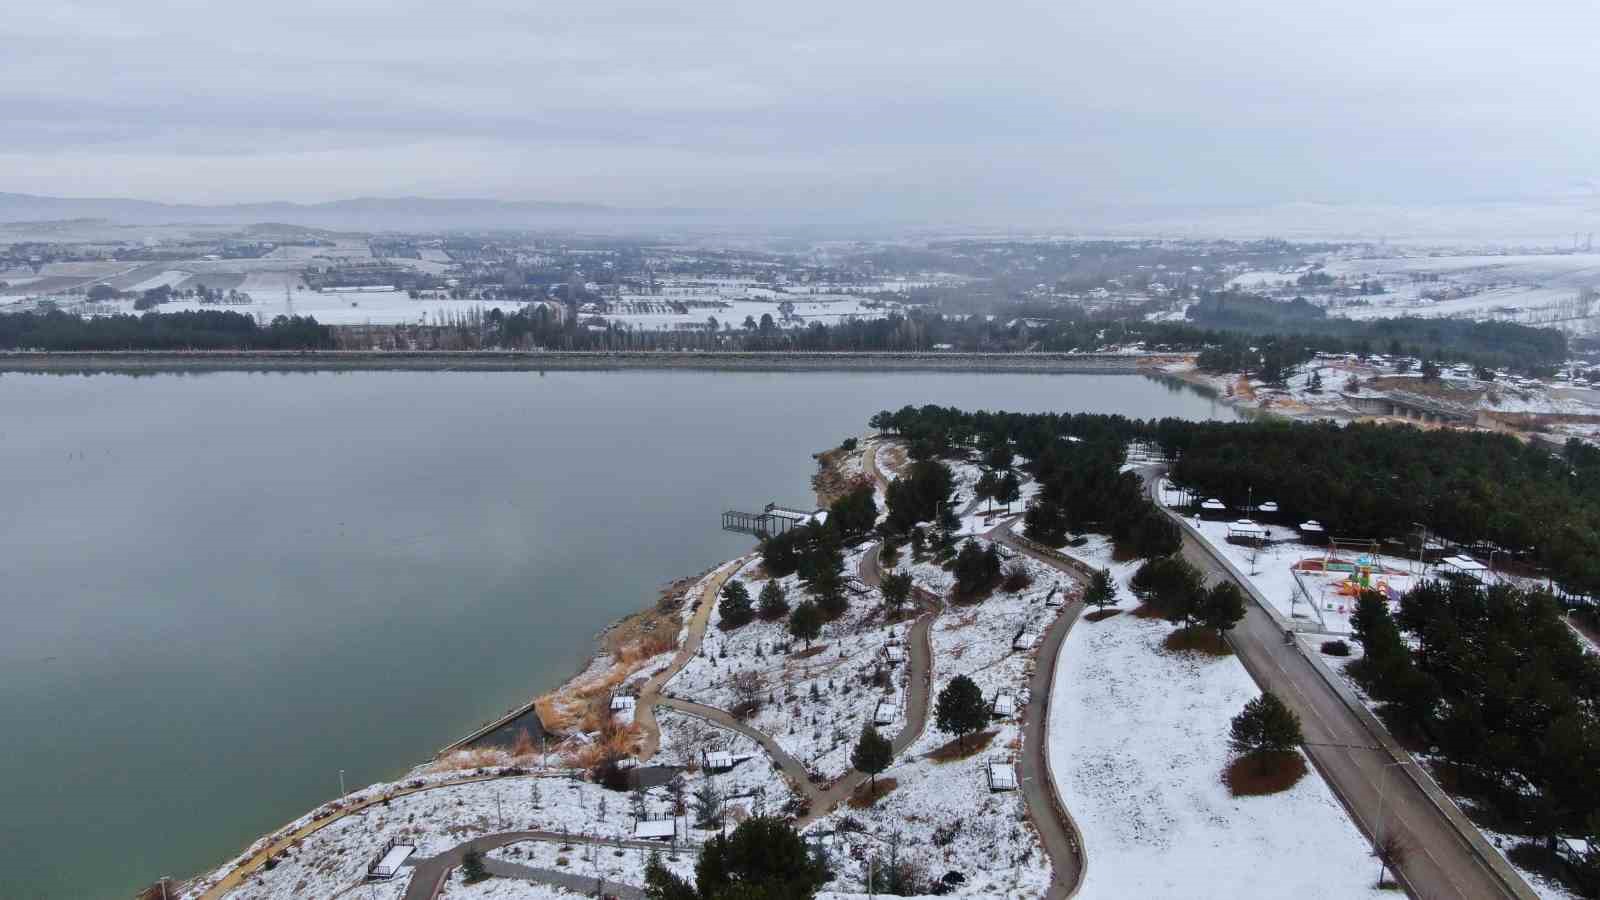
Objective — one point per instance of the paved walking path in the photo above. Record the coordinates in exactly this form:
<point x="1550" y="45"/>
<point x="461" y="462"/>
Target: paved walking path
<point x="644" y="713"/>
<point x="429" y="873"/>
<point x="1376" y="780"/>
<point x="1057" y="831"/>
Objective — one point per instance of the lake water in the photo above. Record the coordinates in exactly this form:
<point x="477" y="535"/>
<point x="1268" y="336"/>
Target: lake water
<point x="220" y="590"/>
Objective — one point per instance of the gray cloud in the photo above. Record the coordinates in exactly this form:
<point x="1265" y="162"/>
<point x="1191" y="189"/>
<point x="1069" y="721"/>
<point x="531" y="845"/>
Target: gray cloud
<point x="900" y="110"/>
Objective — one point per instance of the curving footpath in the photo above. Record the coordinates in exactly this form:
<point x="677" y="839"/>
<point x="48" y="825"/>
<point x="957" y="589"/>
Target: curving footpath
<point x="1057" y="831"/>
<point x="644" y="713"/>
<point x="428" y="874"/>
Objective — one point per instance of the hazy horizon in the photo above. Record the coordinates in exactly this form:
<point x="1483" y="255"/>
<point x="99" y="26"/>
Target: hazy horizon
<point x="828" y="110"/>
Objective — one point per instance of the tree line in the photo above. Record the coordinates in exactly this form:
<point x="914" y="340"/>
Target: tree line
<point x="1495" y="679"/>
<point x="1482" y="490"/>
<point x="195" y="330"/>
<point x="1240" y="321"/>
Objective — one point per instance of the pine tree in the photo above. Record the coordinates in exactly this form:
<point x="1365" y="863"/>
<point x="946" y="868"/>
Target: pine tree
<point x="734" y="608"/>
<point x="1009" y="490"/>
<point x="805" y="622"/>
<point x="1102" y="590"/>
<point x="774" y="604"/>
<point x="472" y="866"/>
<point x="1222" y="607"/>
<point x="707" y="801"/>
<point x="987" y="488"/>
<point x="960" y="709"/>
<point x="1045" y="522"/>
<point x="1265" y="725"/>
<point x="896" y="591"/>
<point x="661" y="884"/>
<point x="872" y="753"/>
<point x="828" y="588"/>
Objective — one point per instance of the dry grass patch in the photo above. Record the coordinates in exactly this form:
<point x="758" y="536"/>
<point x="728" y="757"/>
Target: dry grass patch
<point x="1264" y="772"/>
<point x="1197" y="639"/>
<point x="866" y="794"/>
<point x="472" y="758"/>
<point x="615" y="743"/>
<point x="952" y="751"/>
<point x="809" y="652"/>
<point x="1100" y="615"/>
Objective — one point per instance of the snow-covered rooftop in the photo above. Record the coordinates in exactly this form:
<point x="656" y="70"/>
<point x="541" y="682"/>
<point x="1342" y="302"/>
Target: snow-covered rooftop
<point x="654" y="829"/>
<point x="1002" y="777"/>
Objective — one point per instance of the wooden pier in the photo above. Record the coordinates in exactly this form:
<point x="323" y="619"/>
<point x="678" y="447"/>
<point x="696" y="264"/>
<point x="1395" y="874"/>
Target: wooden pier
<point x="772" y="520"/>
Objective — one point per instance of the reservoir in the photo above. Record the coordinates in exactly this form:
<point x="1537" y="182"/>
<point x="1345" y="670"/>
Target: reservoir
<point x="220" y="590"/>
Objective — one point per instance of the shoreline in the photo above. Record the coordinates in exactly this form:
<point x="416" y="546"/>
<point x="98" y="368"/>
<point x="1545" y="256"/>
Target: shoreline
<point x="598" y="640"/>
<point x="139" y="361"/>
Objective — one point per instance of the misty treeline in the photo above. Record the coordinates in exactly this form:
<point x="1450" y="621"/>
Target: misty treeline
<point x="1225" y="346"/>
<point x="202" y="330"/>
<point x="1477" y="489"/>
<point x="1496" y="681"/>
<point x="1246" y="332"/>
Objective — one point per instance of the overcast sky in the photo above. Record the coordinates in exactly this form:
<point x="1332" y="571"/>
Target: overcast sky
<point x="929" y="108"/>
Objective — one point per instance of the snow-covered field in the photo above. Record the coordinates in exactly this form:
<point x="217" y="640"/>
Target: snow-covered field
<point x="1138" y="743"/>
<point x="828" y="309"/>
<point x="1451" y="283"/>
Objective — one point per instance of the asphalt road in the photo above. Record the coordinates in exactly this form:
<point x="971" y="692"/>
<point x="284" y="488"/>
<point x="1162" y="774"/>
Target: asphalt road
<point x="1380" y="797"/>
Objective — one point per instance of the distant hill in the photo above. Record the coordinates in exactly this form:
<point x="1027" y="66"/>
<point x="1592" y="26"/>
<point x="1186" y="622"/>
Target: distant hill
<point x="361" y="213"/>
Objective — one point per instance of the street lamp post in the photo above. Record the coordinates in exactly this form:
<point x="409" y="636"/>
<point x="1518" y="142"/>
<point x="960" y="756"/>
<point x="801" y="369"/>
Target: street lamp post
<point x="342" y="791"/>
<point x="164" y="880"/>
<point x="1377" y="830"/>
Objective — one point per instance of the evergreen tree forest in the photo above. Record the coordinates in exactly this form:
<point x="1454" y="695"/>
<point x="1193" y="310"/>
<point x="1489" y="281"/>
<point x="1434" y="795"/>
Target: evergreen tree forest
<point x="1480" y="490"/>
<point x="1500" y="685"/>
<point x="196" y="330"/>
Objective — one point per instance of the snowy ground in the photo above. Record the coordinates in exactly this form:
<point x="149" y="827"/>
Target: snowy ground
<point x="1317" y="601"/>
<point x="1449" y="283"/>
<point x="818" y="732"/>
<point x="947" y="817"/>
<point x="456" y="888"/>
<point x="1272" y="576"/>
<point x="336" y="856"/>
<point x="625" y="865"/>
<point x="653" y="312"/>
<point x="754" y="784"/>
<point x="1138" y="742"/>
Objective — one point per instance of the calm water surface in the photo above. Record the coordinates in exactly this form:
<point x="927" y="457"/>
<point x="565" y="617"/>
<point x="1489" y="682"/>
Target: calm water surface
<point x="219" y="590"/>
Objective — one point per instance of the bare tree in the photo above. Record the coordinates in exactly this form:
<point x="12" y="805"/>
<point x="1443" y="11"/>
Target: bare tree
<point x="749" y="687"/>
<point x="678" y="787"/>
<point x="1391" y="852"/>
